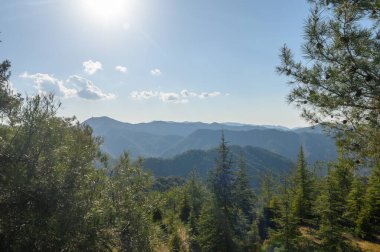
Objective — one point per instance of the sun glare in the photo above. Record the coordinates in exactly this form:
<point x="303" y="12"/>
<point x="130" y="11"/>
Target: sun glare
<point x="106" y="10"/>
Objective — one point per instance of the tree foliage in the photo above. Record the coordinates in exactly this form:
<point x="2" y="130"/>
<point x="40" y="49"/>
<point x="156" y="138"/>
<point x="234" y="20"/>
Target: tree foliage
<point x="302" y="203"/>
<point x="9" y="100"/>
<point x="338" y="82"/>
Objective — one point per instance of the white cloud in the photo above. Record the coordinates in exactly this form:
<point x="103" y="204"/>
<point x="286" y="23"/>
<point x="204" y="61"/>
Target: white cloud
<point x="86" y="89"/>
<point x="155" y="72"/>
<point x="76" y="86"/>
<point x="186" y="93"/>
<point x="172" y="97"/>
<point x="205" y="94"/>
<point x="121" y="69"/>
<point x="91" y="67"/>
<point x="139" y="95"/>
<point x="45" y="83"/>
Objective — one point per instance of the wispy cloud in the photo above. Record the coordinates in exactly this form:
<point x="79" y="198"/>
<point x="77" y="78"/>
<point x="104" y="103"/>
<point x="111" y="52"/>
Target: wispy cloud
<point x="86" y="89"/>
<point x="74" y="86"/>
<point x="205" y="94"/>
<point x="140" y="95"/>
<point x="91" y="67"/>
<point x="186" y="93"/>
<point x="121" y="69"/>
<point x="155" y="72"/>
<point x="45" y="83"/>
<point x="171" y="97"/>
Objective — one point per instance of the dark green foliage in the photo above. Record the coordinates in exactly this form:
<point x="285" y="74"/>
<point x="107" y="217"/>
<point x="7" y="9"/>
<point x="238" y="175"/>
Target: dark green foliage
<point x="368" y="224"/>
<point x="157" y="215"/>
<point x="185" y="210"/>
<point x="175" y="243"/>
<point x="221" y="180"/>
<point x="211" y="230"/>
<point x="242" y="191"/>
<point x="285" y="229"/>
<point x="131" y="205"/>
<point x="9" y="100"/>
<point x="302" y="199"/>
<point x="48" y="182"/>
<point x="355" y="201"/>
<point x="339" y="82"/>
<point x="164" y="184"/>
<point x="196" y="192"/>
<point x="53" y="198"/>
<point x="331" y="206"/>
<point x="338" y="85"/>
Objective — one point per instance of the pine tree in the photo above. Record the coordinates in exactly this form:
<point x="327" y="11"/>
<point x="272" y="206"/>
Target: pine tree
<point x="221" y="182"/>
<point x="355" y="201"/>
<point x="242" y="191"/>
<point x="244" y="205"/>
<point x="131" y="205"/>
<point x="302" y="200"/>
<point x="338" y="83"/>
<point x="368" y="223"/>
<point x="265" y="217"/>
<point x="196" y="193"/>
<point x="211" y="236"/>
<point x="286" y="228"/>
<point x="221" y="177"/>
<point x="331" y="206"/>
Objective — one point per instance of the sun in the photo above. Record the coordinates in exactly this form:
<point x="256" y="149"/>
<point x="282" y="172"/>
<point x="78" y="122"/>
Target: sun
<point x="106" y="10"/>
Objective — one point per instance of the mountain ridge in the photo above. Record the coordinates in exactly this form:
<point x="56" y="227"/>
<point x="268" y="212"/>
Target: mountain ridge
<point x="167" y="139"/>
<point x="258" y="161"/>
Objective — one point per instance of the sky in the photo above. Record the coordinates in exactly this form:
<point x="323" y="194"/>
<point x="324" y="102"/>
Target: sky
<point x="145" y="60"/>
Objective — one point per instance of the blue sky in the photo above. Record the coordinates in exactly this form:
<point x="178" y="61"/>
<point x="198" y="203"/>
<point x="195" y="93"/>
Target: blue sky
<point x="144" y="60"/>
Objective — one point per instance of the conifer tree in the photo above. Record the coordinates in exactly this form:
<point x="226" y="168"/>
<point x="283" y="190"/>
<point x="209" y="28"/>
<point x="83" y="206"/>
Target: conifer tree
<point x="196" y="194"/>
<point x="221" y="177"/>
<point x="302" y="200"/>
<point x="212" y="236"/>
<point x="221" y="182"/>
<point x="331" y="206"/>
<point x="265" y="217"/>
<point x="242" y="190"/>
<point x="369" y="219"/>
<point x="131" y="205"/>
<point x="338" y="83"/>
<point x="286" y="228"/>
<point x="355" y="201"/>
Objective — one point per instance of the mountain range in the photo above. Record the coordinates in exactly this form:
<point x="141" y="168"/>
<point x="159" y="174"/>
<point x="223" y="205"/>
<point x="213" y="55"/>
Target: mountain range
<point x="162" y="139"/>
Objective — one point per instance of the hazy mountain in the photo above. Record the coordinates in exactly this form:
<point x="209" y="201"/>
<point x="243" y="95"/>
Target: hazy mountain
<point x="285" y="143"/>
<point x="163" y="128"/>
<point x="258" y="161"/>
<point x="167" y="139"/>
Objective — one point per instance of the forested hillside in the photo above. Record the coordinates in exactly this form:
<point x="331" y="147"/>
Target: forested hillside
<point x="259" y="162"/>
<point x="61" y="192"/>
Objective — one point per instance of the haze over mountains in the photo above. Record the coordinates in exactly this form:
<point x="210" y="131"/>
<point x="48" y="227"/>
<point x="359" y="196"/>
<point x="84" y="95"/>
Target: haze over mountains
<point x="162" y="139"/>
